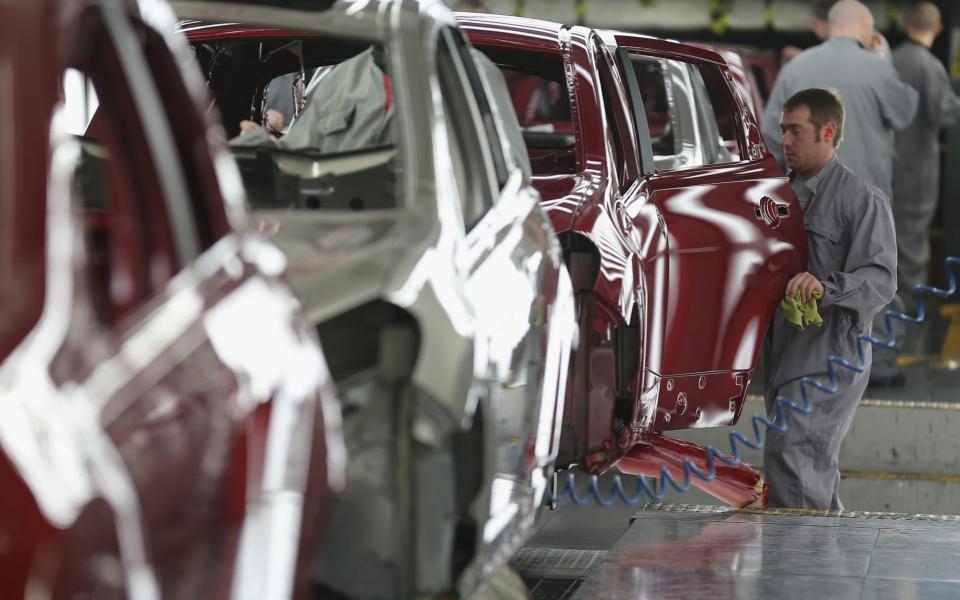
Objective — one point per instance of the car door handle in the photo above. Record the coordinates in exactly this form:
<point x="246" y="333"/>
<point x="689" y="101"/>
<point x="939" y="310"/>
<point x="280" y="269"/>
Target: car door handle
<point x="771" y="212"/>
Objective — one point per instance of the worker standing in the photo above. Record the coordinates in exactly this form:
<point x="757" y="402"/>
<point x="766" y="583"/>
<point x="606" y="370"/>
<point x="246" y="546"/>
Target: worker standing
<point x="877" y="103"/>
<point x="852" y="266"/>
<point x="916" y="170"/>
<point x="876" y="99"/>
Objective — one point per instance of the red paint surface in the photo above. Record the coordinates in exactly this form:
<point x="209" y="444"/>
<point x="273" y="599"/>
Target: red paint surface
<point x="739" y="486"/>
<point x="188" y="430"/>
<point x="684" y="248"/>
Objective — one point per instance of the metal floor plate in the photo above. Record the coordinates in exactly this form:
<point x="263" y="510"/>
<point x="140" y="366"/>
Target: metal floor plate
<point x="684" y="551"/>
<point x="550" y="563"/>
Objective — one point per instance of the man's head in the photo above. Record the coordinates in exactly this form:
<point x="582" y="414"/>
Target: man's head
<point x="812" y="127"/>
<point x="821" y="14"/>
<point x="851" y="18"/>
<point x="924" y="22"/>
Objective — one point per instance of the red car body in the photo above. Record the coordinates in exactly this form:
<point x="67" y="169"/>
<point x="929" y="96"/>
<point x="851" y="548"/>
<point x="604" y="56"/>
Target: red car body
<point x="678" y="272"/>
<point x="165" y="419"/>
<point x="745" y="80"/>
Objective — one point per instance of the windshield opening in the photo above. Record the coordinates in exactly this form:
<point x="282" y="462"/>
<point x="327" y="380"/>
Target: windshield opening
<point x="538" y="88"/>
<point x="309" y="120"/>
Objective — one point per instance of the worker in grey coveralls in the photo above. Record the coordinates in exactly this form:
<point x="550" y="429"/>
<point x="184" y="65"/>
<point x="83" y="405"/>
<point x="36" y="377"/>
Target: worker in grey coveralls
<point x="876" y="99"/>
<point x="852" y="264"/>
<point x="350" y="108"/>
<point x="347" y="110"/>
<point x="916" y="169"/>
<point x="877" y="103"/>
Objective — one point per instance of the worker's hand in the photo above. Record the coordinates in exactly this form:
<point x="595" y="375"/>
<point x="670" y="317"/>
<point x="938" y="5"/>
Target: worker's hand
<point x="247" y="126"/>
<point x="275" y="119"/>
<point x="806" y="283"/>
<point x="879" y="44"/>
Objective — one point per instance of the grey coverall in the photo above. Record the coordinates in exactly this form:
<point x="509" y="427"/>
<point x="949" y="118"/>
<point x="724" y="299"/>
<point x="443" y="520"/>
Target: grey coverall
<point x="876" y="102"/>
<point x="916" y="169"/>
<point x="347" y="110"/>
<point x="850" y="233"/>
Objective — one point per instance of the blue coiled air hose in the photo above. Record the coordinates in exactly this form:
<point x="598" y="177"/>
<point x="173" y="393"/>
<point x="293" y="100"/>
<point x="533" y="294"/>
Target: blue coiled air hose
<point x="780" y="422"/>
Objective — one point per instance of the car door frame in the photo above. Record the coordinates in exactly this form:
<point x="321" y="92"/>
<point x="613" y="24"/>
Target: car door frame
<point x="198" y="308"/>
<point x="513" y="232"/>
<point x="684" y="397"/>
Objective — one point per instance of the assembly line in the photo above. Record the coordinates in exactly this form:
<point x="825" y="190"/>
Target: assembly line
<point x="394" y="299"/>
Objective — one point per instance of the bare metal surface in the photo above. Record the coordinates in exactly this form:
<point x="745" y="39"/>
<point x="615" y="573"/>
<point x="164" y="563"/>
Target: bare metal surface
<point x="569" y="563"/>
<point x="799" y="512"/>
<point x="693" y="551"/>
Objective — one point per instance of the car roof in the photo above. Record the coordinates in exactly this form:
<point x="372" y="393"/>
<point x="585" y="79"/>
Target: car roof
<point x="203" y="30"/>
<point x="661" y="46"/>
<point x="546" y="35"/>
<point x="543" y="34"/>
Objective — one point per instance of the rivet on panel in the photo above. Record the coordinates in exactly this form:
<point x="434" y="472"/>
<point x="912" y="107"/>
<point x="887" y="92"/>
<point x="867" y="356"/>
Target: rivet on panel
<point x="681" y="403"/>
<point x="702" y="382"/>
<point x="669" y="385"/>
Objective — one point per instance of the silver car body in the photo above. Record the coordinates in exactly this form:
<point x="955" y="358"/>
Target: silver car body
<point x="493" y="313"/>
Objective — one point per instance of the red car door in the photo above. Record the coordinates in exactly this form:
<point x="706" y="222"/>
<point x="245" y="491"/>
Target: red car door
<point x="181" y="391"/>
<point x="733" y="235"/>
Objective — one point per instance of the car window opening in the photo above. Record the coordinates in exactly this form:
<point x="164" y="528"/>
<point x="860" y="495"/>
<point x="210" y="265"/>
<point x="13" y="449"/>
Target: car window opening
<point x="656" y="92"/>
<point x="128" y="228"/>
<point x="538" y="88"/>
<point x="310" y="120"/>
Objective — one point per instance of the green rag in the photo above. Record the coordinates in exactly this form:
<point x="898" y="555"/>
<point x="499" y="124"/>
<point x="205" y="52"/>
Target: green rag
<point x="801" y="313"/>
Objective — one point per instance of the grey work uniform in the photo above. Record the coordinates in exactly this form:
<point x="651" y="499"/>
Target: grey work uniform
<point x="347" y="110"/>
<point x="850" y="233"/>
<point x="280" y="95"/>
<point x="916" y="169"/>
<point x="876" y="102"/>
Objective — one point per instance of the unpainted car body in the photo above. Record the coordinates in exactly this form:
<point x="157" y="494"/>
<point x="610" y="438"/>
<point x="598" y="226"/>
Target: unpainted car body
<point x="168" y="425"/>
<point x="445" y="310"/>
<point x="678" y="264"/>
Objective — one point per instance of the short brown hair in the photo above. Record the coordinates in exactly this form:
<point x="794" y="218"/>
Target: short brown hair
<point x="824" y="106"/>
<point x="924" y="17"/>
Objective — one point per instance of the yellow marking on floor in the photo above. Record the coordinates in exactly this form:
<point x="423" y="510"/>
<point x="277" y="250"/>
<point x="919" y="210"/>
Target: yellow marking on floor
<point x="951" y="344"/>
<point x="888" y="476"/>
<point x="866" y="402"/>
<point x="945" y="365"/>
<point x="909" y="360"/>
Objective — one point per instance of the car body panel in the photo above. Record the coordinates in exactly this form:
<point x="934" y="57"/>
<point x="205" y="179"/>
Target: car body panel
<point x="149" y="457"/>
<point x="745" y="81"/>
<point x="491" y="302"/>
<point x="683" y="243"/>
